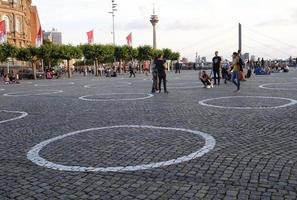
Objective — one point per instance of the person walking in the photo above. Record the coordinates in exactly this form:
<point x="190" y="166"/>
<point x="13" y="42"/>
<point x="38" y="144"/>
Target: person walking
<point x="236" y="71"/>
<point x="241" y="64"/>
<point x="131" y="70"/>
<point x="216" y="62"/>
<point x="160" y="65"/>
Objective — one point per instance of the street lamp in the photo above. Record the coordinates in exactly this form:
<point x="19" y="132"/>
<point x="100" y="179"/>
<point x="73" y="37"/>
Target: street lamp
<point x="112" y="12"/>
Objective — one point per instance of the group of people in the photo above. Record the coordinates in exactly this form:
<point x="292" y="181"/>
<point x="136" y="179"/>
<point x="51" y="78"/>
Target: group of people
<point x="233" y="72"/>
<point x="11" y="79"/>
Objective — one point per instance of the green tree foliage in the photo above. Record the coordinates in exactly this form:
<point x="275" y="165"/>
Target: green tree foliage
<point x="7" y="51"/>
<point x="69" y="52"/>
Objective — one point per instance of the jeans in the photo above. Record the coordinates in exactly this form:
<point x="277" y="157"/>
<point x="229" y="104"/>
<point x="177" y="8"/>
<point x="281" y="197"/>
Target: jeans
<point x="155" y="82"/>
<point x="216" y="75"/>
<point x="162" y="77"/>
<point x="235" y="76"/>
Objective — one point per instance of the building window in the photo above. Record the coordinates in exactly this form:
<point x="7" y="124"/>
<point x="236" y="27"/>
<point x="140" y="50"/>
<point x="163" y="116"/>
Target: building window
<point x="18" y="25"/>
<point x="7" y="23"/>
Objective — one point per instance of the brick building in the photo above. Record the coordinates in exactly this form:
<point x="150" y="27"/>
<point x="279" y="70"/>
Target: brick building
<point x="22" y="21"/>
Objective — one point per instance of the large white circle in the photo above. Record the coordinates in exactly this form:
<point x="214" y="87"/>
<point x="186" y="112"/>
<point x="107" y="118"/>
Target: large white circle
<point x="42" y="92"/>
<point x="183" y="85"/>
<point x="266" y="86"/>
<point x="86" y="98"/>
<point x="292" y="102"/>
<point x="33" y="154"/>
<point x="23" y="114"/>
<point x="104" y="84"/>
<point x="54" y="85"/>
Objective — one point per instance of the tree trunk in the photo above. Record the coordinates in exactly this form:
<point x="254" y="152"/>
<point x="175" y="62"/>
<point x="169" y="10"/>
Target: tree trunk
<point x="68" y="69"/>
<point x="49" y="64"/>
<point x="96" y="67"/>
<point x="34" y="70"/>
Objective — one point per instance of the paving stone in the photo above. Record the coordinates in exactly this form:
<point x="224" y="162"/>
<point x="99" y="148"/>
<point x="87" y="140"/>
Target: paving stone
<point x="255" y="156"/>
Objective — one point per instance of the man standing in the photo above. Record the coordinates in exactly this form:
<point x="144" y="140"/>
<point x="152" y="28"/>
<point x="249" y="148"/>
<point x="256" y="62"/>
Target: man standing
<point x="160" y="65"/>
<point x="216" y="63"/>
<point x="177" y="67"/>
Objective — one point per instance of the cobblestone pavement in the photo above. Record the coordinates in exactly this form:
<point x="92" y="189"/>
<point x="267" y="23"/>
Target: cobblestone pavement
<point x="254" y="157"/>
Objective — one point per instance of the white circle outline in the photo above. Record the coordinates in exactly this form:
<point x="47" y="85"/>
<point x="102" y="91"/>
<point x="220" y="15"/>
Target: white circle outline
<point x="23" y="114"/>
<point x="292" y="102"/>
<point x="33" y="154"/>
<point x="85" y="98"/>
<point x="264" y="86"/>
<point x="55" y="85"/>
<point x="184" y="87"/>
<point x="44" y="92"/>
<point x="105" y="84"/>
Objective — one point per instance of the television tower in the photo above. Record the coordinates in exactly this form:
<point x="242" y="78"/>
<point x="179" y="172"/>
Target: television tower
<point x="154" y="20"/>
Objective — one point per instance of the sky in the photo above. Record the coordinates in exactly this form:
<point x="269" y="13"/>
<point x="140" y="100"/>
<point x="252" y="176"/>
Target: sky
<point x="188" y="26"/>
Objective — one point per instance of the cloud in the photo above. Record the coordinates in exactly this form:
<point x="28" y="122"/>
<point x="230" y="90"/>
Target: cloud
<point x="134" y="25"/>
<point x="276" y="23"/>
<point x="186" y="25"/>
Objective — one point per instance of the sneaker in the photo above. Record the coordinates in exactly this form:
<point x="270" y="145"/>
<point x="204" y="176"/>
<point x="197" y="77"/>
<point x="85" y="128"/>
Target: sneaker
<point x="211" y="86"/>
<point x="166" y="92"/>
<point x="208" y="87"/>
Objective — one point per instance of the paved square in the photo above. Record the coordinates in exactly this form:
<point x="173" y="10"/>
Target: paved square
<point x="108" y="138"/>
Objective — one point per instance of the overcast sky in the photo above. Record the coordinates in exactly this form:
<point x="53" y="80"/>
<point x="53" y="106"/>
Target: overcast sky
<point x="187" y="26"/>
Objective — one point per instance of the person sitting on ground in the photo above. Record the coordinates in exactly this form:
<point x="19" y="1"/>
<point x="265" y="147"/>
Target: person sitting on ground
<point x="226" y="71"/>
<point x="206" y="80"/>
<point x="6" y="79"/>
<point x="286" y="69"/>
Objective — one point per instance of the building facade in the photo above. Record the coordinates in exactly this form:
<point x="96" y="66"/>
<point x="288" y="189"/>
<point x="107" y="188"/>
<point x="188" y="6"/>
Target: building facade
<point x="53" y="35"/>
<point x="22" y="22"/>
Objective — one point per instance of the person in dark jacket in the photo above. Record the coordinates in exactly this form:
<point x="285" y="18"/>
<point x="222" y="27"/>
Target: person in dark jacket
<point x="160" y="65"/>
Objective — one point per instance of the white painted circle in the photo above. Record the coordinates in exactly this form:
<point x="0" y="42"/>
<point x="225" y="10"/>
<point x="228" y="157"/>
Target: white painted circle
<point x="54" y="85"/>
<point x="266" y="86"/>
<point x="23" y="114"/>
<point x="184" y="85"/>
<point x="104" y="84"/>
<point x="86" y="98"/>
<point x="33" y="154"/>
<point x="204" y="102"/>
<point x="42" y="92"/>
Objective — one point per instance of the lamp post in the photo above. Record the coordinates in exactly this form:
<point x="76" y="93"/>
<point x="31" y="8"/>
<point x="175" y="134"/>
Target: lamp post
<point x="112" y="12"/>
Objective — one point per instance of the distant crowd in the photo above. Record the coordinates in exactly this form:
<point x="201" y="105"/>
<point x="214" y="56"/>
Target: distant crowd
<point x="234" y="71"/>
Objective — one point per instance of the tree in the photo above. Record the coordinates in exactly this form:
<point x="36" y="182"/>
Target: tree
<point x="29" y="54"/>
<point x="175" y="56"/>
<point x="104" y="53"/>
<point x="48" y="52"/>
<point x="157" y="53"/>
<point x="89" y="54"/>
<point x="144" y="53"/>
<point x="7" y="51"/>
<point x="167" y="53"/>
<point x="124" y="54"/>
<point x="69" y="52"/>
